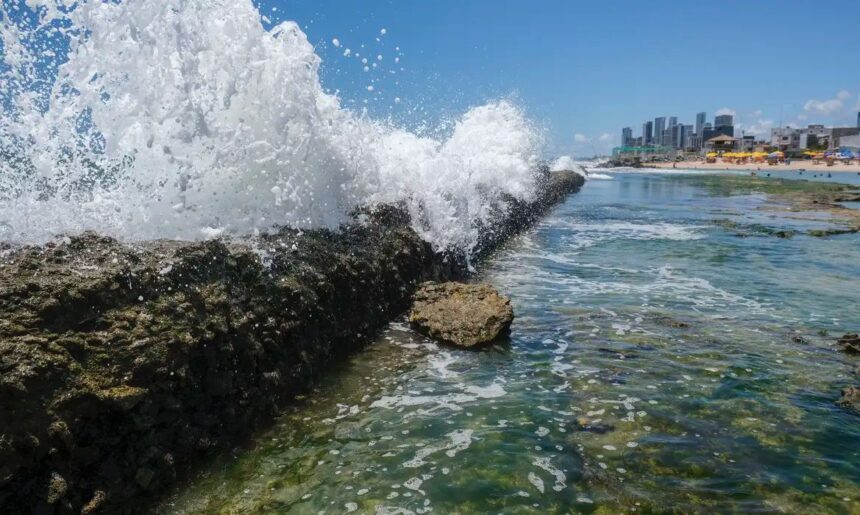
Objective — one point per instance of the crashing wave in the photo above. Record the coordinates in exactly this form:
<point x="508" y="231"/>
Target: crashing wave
<point x="187" y="118"/>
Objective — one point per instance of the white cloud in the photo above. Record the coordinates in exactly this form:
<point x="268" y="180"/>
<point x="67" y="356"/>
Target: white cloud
<point x="580" y="138"/>
<point x="726" y="110"/>
<point x="830" y="106"/>
<point x="759" y="127"/>
<point x="605" y="137"/>
<point x="823" y="107"/>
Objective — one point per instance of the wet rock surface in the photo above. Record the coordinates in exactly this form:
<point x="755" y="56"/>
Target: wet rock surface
<point x="123" y="365"/>
<point x="460" y="314"/>
<point x="850" y="398"/>
<point x="849" y="343"/>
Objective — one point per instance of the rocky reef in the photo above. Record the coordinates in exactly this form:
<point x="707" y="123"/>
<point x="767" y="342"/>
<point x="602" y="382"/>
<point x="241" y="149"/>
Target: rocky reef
<point x="123" y="365"/>
<point x="465" y="315"/>
<point x="849" y="343"/>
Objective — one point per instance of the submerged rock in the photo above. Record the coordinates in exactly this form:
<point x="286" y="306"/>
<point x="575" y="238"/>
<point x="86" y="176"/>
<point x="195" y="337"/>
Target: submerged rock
<point x="850" y="398"/>
<point x="461" y="314"/>
<point x="849" y="343"/>
<point x="593" y="426"/>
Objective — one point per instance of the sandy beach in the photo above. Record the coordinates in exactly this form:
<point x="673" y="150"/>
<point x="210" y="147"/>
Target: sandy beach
<point x="794" y="165"/>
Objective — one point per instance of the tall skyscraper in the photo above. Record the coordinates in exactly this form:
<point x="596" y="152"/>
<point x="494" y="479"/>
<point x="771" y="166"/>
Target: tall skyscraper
<point x="673" y="121"/>
<point x="648" y="132"/>
<point x="723" y="120"/>
<point x="677" y="132"/>
<point x="858" y="120"/>
<point x="626" y="136"/>
<point x="700" y="122"/>
<point x="687" y="137"/>
<point x="659" y="127"/>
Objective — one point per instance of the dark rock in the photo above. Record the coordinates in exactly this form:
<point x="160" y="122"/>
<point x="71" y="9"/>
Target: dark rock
<point x="587" y="425"/>
<point x="849" y="343"/>
<point x="143" y="477"/>
<point x="672" y="322"/>
<point x="57" y="488"/>
<point x="850" y="398"/>
<point x="461" y="314"/>
<point x="122" y="365"/>
<point x="824" y="233"/>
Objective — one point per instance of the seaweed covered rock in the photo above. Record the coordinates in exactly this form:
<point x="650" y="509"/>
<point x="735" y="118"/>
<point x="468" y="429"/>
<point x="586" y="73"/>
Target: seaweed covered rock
<point x="850" y="398"/>
<point x="121" y="365"/>
<point x="461" y="314"/>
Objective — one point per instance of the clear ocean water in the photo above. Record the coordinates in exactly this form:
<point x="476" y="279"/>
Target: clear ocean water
<point x="667" y="356"/>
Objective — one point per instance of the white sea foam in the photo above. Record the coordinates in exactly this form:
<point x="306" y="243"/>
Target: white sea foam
<point x="588" y="234"/>
<point x="560" y="478"/>
<point x="187" y="119"/>
<point x="536" y="481"/>
<point x="461" y="439"/>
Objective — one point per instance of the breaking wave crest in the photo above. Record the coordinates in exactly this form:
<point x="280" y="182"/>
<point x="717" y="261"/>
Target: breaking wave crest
<point x="187" y="118"/>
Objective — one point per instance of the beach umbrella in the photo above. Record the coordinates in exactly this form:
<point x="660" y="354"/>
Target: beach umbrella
<point x="711" y="154"/>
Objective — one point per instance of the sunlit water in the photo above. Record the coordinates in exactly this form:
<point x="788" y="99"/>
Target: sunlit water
<point x="658" y="362"/>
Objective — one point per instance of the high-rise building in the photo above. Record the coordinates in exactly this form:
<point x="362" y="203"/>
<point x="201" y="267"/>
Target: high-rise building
<point x="687" y="137"/>
<point x="700" y="122"/>
<point x="648" y="132"/>
<point x="712" y="132"/>
<point x="626" y="136"/>
<point x="673" y="121"/>
<point x="858" y="120"/>
<point x="677" y="136"/>
<point x="659" y="127"/>
<point x="723" y="120"/>
<point x="666" y="138"/>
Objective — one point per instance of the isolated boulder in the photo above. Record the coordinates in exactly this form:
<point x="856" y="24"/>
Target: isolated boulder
<point x="461" y="314"/>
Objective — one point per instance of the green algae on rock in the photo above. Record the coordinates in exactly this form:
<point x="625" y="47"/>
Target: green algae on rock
<point x="124" y="364"/>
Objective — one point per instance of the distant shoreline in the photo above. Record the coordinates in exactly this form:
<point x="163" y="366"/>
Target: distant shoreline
<point x="799" y="165"/>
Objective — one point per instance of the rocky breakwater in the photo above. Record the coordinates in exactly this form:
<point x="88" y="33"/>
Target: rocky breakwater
<point x="122" y="365"/>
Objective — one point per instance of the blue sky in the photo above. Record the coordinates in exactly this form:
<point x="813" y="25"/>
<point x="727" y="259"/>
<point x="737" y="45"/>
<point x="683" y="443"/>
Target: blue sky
<point x="586" y="69"/>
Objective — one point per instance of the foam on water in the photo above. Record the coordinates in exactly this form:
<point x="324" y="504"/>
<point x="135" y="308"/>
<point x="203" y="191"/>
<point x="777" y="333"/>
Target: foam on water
<point x="187" y="119"/>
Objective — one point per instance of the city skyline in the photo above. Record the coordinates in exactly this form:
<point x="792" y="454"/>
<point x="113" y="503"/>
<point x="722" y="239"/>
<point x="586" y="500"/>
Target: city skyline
<point x="575" y="80"/>
<point x="678" y="137"/>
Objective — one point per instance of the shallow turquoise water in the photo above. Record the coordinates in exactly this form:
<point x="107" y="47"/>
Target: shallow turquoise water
<point x="662" y="359"/>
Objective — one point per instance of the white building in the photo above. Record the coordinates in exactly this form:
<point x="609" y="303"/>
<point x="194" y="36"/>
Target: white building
<point x="851" y="142"/>
<point x="785" y="138"/>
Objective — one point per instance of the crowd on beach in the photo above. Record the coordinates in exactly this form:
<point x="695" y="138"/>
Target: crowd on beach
<point x="757" y="161"/>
